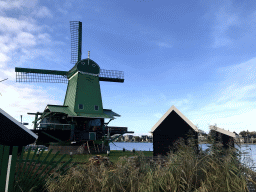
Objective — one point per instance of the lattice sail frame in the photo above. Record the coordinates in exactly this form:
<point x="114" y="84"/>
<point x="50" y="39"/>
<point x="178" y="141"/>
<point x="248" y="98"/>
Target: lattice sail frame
<point x="111" y="74"/>
<point x="76" y="41"/>
<point x="53" y="76"/>
<point x="40" y="78"/>
<point x="40" y="75"/>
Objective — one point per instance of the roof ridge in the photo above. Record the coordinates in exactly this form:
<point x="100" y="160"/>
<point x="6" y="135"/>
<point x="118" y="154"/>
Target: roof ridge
<point x="173" y="108"/>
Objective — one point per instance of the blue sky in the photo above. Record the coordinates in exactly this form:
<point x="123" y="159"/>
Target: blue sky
<point x="197" y="55"/>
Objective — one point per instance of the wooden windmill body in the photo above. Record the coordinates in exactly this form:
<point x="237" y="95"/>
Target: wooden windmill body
<point x="81" y="117"/>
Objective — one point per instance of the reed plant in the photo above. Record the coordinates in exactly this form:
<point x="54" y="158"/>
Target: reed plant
<point x="184" y="170"/>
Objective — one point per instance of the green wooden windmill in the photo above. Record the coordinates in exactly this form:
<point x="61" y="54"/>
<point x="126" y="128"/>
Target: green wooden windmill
<point x="81" y="117"/>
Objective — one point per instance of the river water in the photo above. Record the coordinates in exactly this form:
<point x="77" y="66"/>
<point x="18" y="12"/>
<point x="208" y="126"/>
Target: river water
<point x="250" y="148"/>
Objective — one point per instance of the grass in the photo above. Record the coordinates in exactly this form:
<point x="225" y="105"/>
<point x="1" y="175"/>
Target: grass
<point x="113" y="156"/>
<point x="184" y="170"/>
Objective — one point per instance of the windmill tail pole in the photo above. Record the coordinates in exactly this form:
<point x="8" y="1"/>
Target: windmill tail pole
<point x="108" y="122"/>
<point x="4" y="79"/>
<point x="1" y="81"/>
<point x="116" y="137"/>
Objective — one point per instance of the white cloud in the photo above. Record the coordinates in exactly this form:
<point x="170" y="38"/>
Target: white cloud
<point x="30" y="54"/>
<point x="3" y="58"/>
<point x="238" y="83"/>
<point x="233" y="106"/>
<point x="13" y="25"/>
<point x="21" y="41"/>
<point x="63" y="11"/>
<point x="229" y="114"/>
<point x="235" y="94"/>
<point x="68" y="4"/>
<point x="43" y="12"/>
<point x="240" y="74"/>
<point x="25" y="39"/>
<point x="143" y="100"/>
<point x="22" y="36"/>
<point x="158" y="115"/>
<point x="224" y="20"/>
<point x="6" y="44"/>
<point x="17" y="4"/>
<point x="8" y="73"/>
<point x="220" y="41"/>
<point x="16" y="98"/>
<point x="236" y="123"/>
<point x="180" y="102"/>
<point x="44" y="38"/>
<point x="9" y="5"/>
<point x="165" y="45"/>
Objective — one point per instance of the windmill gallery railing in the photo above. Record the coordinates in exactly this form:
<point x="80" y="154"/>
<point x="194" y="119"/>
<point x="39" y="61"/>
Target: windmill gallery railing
<point x="16" y="173"/>
<point x="54" y="126"/>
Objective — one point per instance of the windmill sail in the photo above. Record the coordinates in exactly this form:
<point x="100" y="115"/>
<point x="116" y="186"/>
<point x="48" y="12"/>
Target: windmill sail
<point x="40" y="75"/>
<point x="76" y="41"/>
<point x="82" y="105"/>
<point x="111" y="75"/>
<point x="53" y="76"/>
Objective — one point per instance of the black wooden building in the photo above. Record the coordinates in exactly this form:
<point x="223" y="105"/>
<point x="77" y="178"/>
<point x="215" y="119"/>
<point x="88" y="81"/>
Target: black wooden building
<point x="223" y="136"/>
<point x="13" y="133"/>
<point x="172" y="126"/>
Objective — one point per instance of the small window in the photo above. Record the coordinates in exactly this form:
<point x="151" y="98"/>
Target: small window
<point x="81" y="106"/>
<point x="96" y="107"/>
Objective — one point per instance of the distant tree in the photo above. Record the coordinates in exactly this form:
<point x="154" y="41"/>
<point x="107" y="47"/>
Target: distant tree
<point x="253" y="133"/>
<point x="243" y="133"/>
<point x="202" y="132"/>
<point x="120" y="139"/>
<point x="137" y="139"/>
<point x="211" y="135"/>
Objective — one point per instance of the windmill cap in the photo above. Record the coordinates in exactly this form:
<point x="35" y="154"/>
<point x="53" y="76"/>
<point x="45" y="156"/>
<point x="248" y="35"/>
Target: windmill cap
<point x="85" y="66"/>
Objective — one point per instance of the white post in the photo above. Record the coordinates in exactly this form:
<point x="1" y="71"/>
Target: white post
<point x="8" y="173"/>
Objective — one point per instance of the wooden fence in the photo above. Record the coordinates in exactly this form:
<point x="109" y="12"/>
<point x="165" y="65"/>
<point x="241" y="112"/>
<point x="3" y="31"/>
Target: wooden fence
<point x="16" y="173"/>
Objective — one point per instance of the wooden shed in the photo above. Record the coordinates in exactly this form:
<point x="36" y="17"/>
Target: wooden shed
<point x="13" y="133"/>
<point x="223" y="136"/>
<point x="172" y="126"/>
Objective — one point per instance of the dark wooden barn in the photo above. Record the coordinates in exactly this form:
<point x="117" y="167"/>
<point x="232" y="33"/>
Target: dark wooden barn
<point x="223" y="136"/>
<point x="13" y="133"/>
<point x="172" y="126"/>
